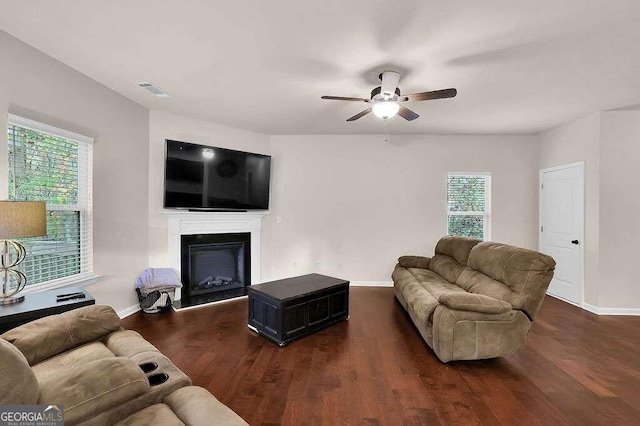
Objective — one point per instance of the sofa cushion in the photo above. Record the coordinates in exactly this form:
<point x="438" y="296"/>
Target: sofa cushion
<point x="414" y="261"/>
<point x="94" y="387"/>
<point x="72" y="358"/>
<point x="129" y="344"/>
<point x="19" y="384"/>
<point x="156" y="415"/>
<point x="49" y="336"/>
<point x="525" y="272"/>
<point x="456" y="247"/>
<point x="474" y="302"/>
<point x="196" y="406"/>
<point x="446" y="266"/>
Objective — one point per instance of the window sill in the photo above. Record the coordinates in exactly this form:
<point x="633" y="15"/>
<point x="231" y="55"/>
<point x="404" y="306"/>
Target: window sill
<point x="76" y="281"/>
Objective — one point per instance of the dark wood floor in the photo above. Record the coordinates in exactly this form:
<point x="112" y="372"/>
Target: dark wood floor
<point x="577" y="368"/>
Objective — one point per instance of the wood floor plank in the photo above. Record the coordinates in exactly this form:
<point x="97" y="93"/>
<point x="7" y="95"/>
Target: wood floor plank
<point x="374" y="369"/>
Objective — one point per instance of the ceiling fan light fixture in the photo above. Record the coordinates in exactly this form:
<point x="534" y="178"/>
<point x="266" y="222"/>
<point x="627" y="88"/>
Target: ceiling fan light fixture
<point x="385" y="109"/>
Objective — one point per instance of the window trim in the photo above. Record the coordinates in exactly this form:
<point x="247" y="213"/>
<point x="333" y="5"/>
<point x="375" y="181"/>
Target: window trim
<point x="83" y="278"/>
<point x="486" y="230"/>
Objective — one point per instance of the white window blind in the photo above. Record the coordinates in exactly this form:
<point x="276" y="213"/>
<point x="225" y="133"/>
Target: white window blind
<point x="55" y="166"/>
<point x="469" y="205"/>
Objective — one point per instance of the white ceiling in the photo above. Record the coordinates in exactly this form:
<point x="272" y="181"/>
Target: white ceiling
<point x="519" y="66"/>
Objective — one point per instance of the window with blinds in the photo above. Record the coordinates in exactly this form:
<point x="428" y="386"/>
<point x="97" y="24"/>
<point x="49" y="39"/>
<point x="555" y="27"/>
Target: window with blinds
<point x="53" y="165"/>
<point x="469" y="205"/>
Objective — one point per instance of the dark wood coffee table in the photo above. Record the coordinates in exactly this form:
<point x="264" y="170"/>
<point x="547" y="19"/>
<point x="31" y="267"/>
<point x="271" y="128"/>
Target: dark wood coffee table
<point x="286" y="310"/>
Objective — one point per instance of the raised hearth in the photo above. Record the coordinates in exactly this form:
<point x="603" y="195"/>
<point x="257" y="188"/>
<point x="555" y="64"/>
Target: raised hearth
<point x="215" y="239"/>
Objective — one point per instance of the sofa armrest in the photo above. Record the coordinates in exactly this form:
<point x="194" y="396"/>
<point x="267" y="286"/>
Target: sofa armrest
<point x="474" y="303"/>
<point x="414" y="262"/>
<point x="94" y="387"/>
<point x="196" y="406"/>
<point x="49" y="336"/>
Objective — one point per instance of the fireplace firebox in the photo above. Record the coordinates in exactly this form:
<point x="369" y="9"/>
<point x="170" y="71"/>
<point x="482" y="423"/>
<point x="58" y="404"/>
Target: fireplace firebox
<point x="215" y="266"/>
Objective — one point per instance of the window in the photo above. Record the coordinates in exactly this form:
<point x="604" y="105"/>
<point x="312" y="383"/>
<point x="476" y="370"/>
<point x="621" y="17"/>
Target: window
<point x="53" y="165"/>
<point x="469" y="205"/>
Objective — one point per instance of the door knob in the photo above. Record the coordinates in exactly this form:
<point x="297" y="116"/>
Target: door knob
<point x="575" y="242"/>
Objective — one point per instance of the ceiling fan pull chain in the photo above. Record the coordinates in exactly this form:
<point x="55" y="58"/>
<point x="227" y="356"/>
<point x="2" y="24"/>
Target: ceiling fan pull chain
<point x="387" y="138"/>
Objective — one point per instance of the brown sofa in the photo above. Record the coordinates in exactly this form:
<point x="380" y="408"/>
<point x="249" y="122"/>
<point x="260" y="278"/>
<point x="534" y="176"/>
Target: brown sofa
<point x="84" y="360"/>
<point x="472" y="299"/>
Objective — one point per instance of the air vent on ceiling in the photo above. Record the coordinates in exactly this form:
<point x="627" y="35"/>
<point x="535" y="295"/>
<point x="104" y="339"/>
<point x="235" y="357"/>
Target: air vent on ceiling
<point x="154" y="89"/>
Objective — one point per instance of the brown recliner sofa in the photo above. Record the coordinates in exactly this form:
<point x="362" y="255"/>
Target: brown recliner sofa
<point x="101" y="374"/>
<point x="472" y="299"/>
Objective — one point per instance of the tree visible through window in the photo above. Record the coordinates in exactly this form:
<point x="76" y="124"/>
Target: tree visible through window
<point x="54" y="169"/>
<point x="468" y="205"/>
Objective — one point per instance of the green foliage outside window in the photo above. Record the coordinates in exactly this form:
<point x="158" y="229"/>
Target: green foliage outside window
<point x="467" y="205"/>
<point x="43" y="167"/>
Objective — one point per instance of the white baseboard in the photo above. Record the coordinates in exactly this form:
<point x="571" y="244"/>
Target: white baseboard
<point x="128" y="311"/>
<point x="371" y="284"/>
<point x="599" y="311"/>
<point x="555" y="296"/>
<point x="611" y="311"/>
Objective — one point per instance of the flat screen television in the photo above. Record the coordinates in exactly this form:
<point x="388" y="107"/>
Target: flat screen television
<point x="203" y="177"/>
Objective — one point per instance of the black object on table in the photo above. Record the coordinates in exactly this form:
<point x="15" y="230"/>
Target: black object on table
<point x="42" y="304"/>
<point x="288" y="309"/>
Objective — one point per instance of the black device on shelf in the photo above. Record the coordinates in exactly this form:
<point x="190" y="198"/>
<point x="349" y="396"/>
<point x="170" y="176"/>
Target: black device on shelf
<point x="200" y="177"/>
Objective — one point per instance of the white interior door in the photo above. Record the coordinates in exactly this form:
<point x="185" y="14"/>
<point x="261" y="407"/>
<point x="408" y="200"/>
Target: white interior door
<point x="562" y="228"/>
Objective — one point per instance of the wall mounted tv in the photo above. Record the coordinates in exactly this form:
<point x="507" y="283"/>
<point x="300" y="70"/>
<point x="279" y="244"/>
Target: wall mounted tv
<point x="203" y="177"/>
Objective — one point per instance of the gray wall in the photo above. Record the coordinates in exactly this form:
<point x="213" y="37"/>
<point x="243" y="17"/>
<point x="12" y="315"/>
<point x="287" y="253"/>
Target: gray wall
<point x="41" y="88"/>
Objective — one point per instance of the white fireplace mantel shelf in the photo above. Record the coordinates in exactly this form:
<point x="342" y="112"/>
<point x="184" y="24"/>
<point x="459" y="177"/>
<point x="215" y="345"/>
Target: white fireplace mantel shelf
<point x="190" y="223"/>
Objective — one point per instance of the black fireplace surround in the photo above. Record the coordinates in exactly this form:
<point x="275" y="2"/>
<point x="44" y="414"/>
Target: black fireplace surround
<point x="214" y="267"/>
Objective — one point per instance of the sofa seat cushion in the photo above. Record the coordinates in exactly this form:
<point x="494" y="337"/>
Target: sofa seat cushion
<point x="438" y="288"/>
<point x="156" y="415"/>
<point x="474" y="303"/>
<point x="82" y="354"/>
<point x="403" y="276"/>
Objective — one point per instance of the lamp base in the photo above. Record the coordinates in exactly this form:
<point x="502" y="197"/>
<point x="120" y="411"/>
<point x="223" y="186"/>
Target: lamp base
<point x="9" y="294"/>
<point x="11" y="300"/>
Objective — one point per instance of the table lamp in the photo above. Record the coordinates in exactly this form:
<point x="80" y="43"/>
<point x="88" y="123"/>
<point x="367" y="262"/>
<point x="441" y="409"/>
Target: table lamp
<point x="18" y="219"/>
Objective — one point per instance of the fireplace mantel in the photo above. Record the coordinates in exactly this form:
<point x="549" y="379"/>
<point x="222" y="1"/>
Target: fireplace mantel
<point x="189" y="223"/>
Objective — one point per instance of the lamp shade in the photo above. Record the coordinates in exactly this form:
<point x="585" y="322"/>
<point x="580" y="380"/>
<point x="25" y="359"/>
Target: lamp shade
<point x="19" y="219"/>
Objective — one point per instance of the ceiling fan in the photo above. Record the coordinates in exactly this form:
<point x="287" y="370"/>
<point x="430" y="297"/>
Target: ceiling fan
<point x="386" y="99"/>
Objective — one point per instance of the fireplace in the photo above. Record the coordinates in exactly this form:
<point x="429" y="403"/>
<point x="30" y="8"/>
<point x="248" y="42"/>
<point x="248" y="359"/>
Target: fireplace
<point x="214" y="266"/>
<point x="185" y="223"/>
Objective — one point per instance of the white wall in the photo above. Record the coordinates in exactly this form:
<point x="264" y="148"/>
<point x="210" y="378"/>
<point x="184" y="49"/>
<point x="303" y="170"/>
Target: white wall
<point x="609" y="143"/>
<point x="356" y="203"/>
<point x="170" y="126"/>
<point x="619" y="207"/>
<point x="36" y="86"/>
<point x="579" y="141"/>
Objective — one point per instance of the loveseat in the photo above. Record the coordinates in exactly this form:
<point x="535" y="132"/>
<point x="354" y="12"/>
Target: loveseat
<point x="100" y="374"/>
<point x="473" y="300"/>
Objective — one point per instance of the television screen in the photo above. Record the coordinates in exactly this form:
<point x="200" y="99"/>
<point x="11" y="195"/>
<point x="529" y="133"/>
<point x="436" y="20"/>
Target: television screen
<point x="210" y="178"/>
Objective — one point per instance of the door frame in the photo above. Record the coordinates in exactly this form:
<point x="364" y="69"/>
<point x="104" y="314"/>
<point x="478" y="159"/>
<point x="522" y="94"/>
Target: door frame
<point x="581" y="231"/>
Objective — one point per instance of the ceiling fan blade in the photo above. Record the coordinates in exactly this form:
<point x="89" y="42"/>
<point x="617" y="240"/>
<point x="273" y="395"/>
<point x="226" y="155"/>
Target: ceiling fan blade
<point x="407" y="114"/>
<point x="390" y="81"/>
<point x="343" y="98"/>
<point x="427" y="96"/>
<point x="360" y="114"/>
